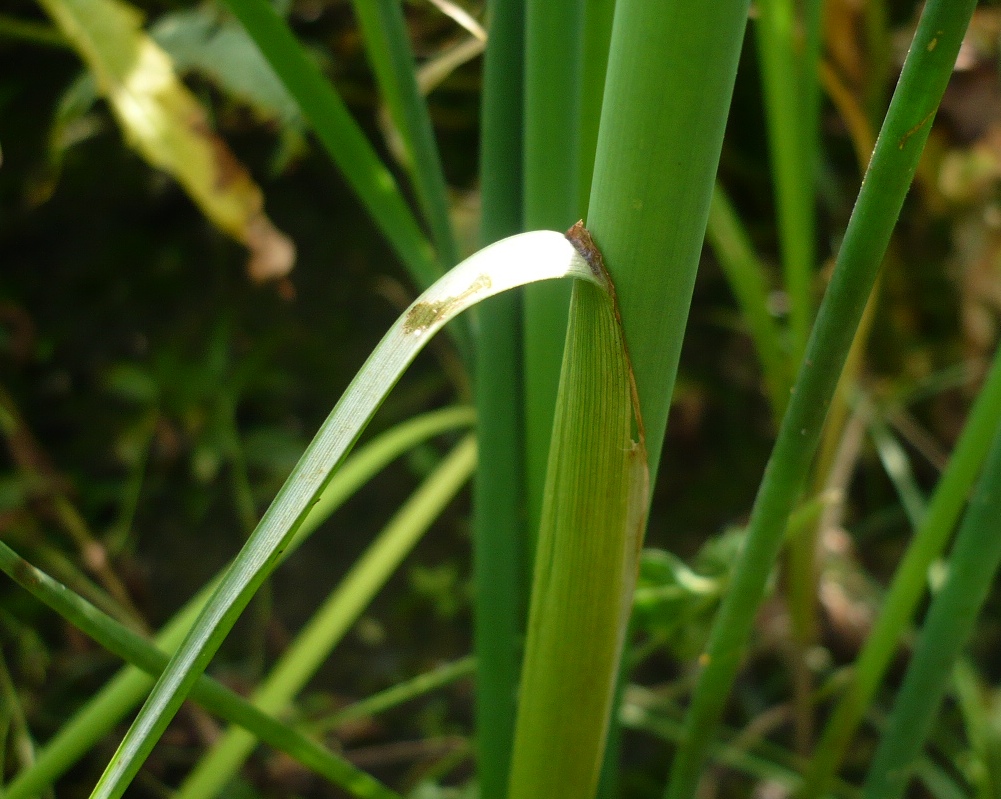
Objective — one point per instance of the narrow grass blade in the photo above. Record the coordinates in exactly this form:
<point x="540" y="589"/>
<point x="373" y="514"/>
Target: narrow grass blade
<point x="760" y="759"/>
<point x="134" y="649"/>
<point x="401" y="693"/>
<point x="95" y="720"/>
<point x="512" y="262"/>
<point x="587" y="560"/>
<point x="551" y="120"/>
<point x="749" y="283"/>
<point x="500" y="558"/>
<point x="909" y="583"/>
<point x="388" y="48"/>
<point x="897" y="466"/>
<point x="313" y="644"/>
<point x="787" y="83"/>
<point x="341" y="136"/>
<point x="919" y="91"/>
<point x="974" y="560"/>
<point x="790" y="87"/>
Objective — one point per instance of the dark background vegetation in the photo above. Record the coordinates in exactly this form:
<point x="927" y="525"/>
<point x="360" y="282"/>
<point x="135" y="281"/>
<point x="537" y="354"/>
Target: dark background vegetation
<point x="148" y="381"/>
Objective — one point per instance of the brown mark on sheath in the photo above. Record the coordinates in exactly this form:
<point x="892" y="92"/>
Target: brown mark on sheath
<point x="580" y="237"/>
<point x="425" y="314"/>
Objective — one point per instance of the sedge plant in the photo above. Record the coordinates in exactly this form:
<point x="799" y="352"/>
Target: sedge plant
<point x="614" y="113"/>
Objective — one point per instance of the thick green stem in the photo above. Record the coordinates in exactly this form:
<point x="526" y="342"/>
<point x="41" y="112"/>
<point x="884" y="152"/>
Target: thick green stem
<point x="552" y="112"/>
<point x="500" y="558"/>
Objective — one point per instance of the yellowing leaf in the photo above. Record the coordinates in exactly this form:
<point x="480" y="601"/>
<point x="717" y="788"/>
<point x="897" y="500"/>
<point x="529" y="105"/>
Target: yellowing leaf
<point x="167" y="125"/>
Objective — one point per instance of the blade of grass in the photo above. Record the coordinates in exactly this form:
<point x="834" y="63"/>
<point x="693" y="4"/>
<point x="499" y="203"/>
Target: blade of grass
<point x="788" y="47"/>
<point x="313" y="645"/>
<point x="134" y="649"/>
<point x="762" y="760"/>
<point x="509" y="263"/>
<point x="950" y="620"/>
<point x="399" y="694"/>
<point x="551" y="117"/>
<point x="747" y="278"/>
<point x="500" y="555"/>
<point x="388" y="48"/>
<point x="897" y="466"/>
<point x="909" y="582"/>
<point x="95" y="720"/>
<point x="788" y="82"/>
<point x="341" y="137"/>
<point x="925" y="74"/>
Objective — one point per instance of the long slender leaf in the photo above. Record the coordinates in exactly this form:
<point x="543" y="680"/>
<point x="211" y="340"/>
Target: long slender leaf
<point x="905" y="130"/>
<point x="385" y="32"/>
<point x="134" y="649"/>
<point x="400" y="693"/>
<point x="951" y="617"/>
<point x="500" y="558"/>
<point x="93" y="722"/>
<point x="512" y="262"/>
<point x="909" y="582"/>
<point x="748" y="281"/>
<point x="343" y="139"/>
<point x="788" y="82"/>
<point x="551" y="143"/>
<point x="312" y="646"/>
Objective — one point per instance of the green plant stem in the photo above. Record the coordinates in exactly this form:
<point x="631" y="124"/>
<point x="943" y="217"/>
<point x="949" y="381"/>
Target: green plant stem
<point x="387" y="46"/>
<point x="749" y="283"/>
<point x="789" y="78"/>
<point x="760" y="759"/>
<point x="785" y="76"/>
<point x="551" y="143"/>
<point x="398" y="694"/>
<point x="908" y="584"/>
<point x="950" y="620"/>
<point x="671" y="67"/>
<point x="596" y="36"/>
<point x="919" y="91"/>
<point x="112" y="703"/>
<point x="500" y="556"/>
<point x="312" y="646"/>
<point x="132" y="648"/>
<point x="341" y="136"/>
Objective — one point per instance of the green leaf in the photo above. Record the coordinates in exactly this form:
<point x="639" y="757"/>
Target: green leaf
<point x="314" y="643"/>
<point x="512" y="262"/>
<point x="586" y="565"/>
<point x="164" y="122"/>
<point x="98" y="717"/>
